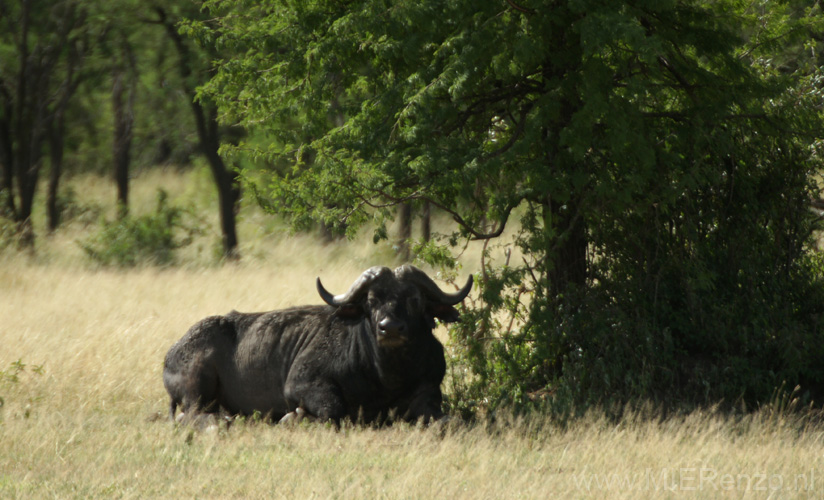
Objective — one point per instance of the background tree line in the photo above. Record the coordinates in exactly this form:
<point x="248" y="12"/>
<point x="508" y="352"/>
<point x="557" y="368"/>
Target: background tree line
<point x="656" y="161"/>
<point x="100" y="86"/>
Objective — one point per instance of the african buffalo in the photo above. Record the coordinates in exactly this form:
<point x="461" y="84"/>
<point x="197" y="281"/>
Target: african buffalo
<point x="368" y="352"/>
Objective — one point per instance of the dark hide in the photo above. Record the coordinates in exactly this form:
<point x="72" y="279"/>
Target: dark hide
<point x="371" y="353"/>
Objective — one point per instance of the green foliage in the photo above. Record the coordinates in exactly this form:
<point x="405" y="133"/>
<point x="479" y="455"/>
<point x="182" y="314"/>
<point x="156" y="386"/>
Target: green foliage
<point x="657" y="158"/>
<point x="146" y="239"/>
<point x="126" y="38"/>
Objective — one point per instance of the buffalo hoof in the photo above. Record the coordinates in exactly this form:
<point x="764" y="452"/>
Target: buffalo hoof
<point x="295" y="417"/>
<point x="203" y="421"/>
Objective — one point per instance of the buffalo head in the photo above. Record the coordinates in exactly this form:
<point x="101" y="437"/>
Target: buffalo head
<point x="400" y="304"/>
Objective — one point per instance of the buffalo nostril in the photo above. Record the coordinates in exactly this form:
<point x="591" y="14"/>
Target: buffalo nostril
<point x="389" y="326"/>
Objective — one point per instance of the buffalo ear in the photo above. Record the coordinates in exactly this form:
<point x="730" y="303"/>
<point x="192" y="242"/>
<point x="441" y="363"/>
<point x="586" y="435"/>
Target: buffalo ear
<point x="444" y="312"/>
<point x="349" y="311"/>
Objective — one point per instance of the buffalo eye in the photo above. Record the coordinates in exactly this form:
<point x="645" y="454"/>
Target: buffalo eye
<point x="372" y="301"/>
<point x="414" y="304"/>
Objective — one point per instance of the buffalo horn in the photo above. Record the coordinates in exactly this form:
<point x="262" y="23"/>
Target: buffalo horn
<point x="355" y="291"/>
<point x="424" y="282"/>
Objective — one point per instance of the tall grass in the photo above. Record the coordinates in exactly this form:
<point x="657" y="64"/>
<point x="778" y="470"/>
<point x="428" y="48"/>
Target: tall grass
<point x="83" y="410"/>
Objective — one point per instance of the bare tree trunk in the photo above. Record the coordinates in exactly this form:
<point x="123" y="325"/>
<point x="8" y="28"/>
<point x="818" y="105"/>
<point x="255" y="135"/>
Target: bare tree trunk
<point x="121" y="145"/>
<point x="227" y="181"/>
<point x="25" y="164"/>
<point x="27" y="177"/>
<point x="123" y="123"/>
<point x="228" y="190"/>
<point x="56" y="132"/>
<point x="28" y="171"/>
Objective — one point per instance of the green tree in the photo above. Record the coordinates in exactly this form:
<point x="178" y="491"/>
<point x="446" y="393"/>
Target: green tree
<point x="656" y="162"/>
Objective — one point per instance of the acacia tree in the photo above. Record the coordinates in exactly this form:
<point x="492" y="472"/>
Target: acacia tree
<point x="656" y="165"/>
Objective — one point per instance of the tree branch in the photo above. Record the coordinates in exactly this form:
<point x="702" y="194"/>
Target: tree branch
<point x="520" y="8"/>
<point x="417" y="195"/>
<point x="519" y="130"/>
<point x="476" y="235"/>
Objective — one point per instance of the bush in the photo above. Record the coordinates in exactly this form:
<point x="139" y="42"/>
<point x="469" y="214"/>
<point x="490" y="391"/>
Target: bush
<point x="147" y="239"/>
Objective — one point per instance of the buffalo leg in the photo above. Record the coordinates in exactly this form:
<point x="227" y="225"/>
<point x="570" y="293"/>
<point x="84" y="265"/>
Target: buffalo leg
<point x="425" y="403"/>
<point x="191" y="369"/>
<point x="194" y="387"/>
<point x="316" y="399"/>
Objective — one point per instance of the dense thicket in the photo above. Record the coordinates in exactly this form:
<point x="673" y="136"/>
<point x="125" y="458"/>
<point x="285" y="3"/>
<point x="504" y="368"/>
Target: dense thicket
<point x="657" y="158"/>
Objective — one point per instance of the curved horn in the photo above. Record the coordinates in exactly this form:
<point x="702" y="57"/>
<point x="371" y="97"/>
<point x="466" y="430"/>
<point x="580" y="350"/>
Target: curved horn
<point x="425" y="283"/>
<point x="325" y="295"/>
<point x="355" y="291"/>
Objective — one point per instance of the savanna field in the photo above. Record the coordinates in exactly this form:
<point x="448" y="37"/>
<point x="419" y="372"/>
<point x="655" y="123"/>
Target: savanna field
<point x="84" y="411"/>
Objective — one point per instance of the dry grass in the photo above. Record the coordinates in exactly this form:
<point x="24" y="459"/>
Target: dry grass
<point x="86" y="417"/>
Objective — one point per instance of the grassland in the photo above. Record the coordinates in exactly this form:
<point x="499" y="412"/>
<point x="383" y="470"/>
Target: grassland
<point x="84" y="409"/>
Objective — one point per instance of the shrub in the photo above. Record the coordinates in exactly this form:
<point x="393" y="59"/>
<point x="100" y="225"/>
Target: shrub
<point x="147" y="239"/>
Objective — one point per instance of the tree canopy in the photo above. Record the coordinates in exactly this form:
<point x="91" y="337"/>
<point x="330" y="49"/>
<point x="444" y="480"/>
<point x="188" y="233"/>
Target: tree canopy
<point x="656" y="157"/>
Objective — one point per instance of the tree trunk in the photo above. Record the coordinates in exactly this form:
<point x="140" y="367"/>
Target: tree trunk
<point x="426" y="222"/>
<point x="27" y="183"/>
<point x="123" y="124"/>
<point x="25" y="165"/>
<point x="8" y="208"/>
<point x="56" y="130"/>
<point x="121" y="144"/>
<point x="227" y="182"/>
<point x="404" y="229"/>
<point x="228" y="193"/>
<point x="30" y="137"/>
<point x="567" y="257"/>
